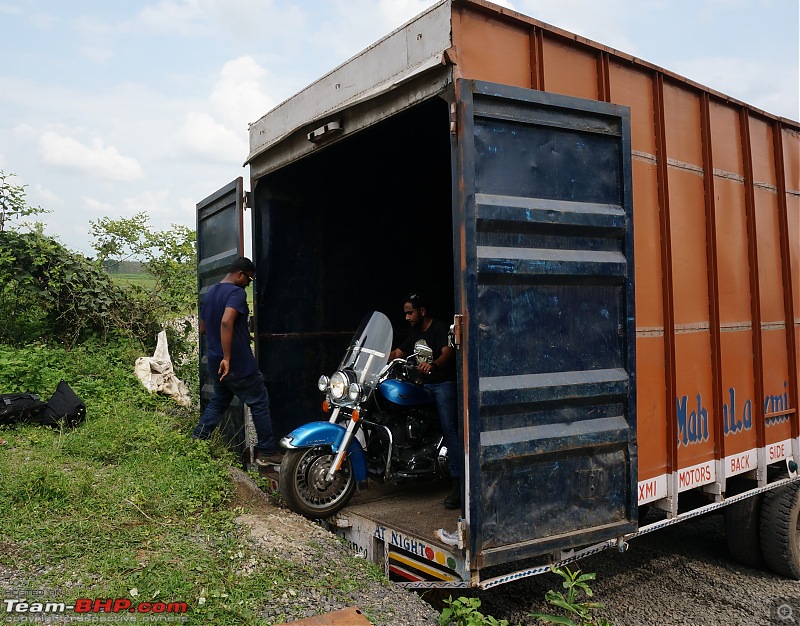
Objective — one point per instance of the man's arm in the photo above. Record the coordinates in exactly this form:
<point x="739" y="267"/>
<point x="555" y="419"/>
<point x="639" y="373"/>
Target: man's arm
<point x="397" y="353"/>
<point x="447" y="355"/>
<point x="226" y="338"/>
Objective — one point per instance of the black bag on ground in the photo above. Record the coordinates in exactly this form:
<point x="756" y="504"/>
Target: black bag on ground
<point x="65" y="405"/>
<point x="20" y="407"/>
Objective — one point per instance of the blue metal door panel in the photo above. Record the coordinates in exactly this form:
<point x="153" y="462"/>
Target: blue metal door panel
<point x="220" y="240"/>
<point x="546" y="371"/>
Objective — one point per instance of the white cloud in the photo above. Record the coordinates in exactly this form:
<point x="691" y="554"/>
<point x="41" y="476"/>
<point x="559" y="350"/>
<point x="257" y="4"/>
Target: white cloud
<point x="161" y="207"/>
<point x="162" y="210"/>
<point x="239" y="96"/>
<point x="44" y="21"/>
<point x="10" y="9"/>
<point x="506" y="4"/>
<point x="203" y="136"/>
<point x="25" y="131"/>
<point x="44" y="197"/>
<point x="65" y="228"/>
<point x="97" y="206"/>
<point x="257" y="21"/>
<point x="97" y="54"/>
<point x="98" y="38"/>
<point x="171" y="16"/>
<point x="398" y="12"/>
<point x="605" y="22"/>
<point x="97" y="160"/>
<point x="254" y="21"/>
<point x="772" y="87"/>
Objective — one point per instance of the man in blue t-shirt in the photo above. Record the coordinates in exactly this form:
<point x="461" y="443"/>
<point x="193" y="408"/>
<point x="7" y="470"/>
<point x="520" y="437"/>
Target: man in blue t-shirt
<point x="231" y="364"/>
<point x="439" y="376"/>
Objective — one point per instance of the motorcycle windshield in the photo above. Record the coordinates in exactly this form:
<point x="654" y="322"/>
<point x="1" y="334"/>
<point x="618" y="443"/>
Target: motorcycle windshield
<point x="369" y="349"/>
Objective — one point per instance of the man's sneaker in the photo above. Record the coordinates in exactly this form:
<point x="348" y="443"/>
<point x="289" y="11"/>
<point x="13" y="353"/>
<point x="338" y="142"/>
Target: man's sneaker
<point x="263" y="459"/>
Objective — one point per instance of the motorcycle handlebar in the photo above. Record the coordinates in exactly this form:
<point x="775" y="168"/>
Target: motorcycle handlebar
<point x="404" y="361"/>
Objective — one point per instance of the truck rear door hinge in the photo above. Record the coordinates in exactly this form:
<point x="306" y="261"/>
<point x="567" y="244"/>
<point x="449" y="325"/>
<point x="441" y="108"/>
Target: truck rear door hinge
<point x="453" y="119"/>
<point x="455" y="330"/>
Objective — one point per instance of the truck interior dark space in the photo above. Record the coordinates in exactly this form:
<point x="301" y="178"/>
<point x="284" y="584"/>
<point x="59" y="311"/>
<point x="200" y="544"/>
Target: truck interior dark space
<point x="350" y="229"/>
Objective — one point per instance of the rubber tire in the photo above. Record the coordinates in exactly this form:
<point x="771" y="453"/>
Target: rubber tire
<point x="300" y="468"/>
<point x="780" y="536"/>
<point x="742" y="531"/>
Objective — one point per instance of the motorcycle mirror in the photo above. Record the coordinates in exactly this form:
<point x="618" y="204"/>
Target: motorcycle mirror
<point x="423" y="350"/>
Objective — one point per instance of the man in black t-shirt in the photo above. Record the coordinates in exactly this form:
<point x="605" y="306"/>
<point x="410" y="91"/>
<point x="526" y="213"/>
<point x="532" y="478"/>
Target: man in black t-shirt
<point x="439" y="376"/>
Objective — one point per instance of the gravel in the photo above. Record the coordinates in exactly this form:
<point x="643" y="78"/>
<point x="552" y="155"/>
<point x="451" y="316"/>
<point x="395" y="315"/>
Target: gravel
<point x="293" y="537"/>
<point x="681" y="575"/>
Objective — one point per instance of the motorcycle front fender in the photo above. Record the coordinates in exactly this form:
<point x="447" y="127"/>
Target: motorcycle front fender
<point x="316" y="434"/>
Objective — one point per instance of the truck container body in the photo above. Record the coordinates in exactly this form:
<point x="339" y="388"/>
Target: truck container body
<point x="619" y="248"/>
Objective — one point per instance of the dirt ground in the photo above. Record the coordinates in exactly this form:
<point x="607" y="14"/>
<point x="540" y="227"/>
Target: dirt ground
<point x="271" y="526"/>
<point x="292" y="537"/>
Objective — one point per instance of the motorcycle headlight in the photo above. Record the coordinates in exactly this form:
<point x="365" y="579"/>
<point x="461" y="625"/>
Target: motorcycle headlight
<point x="322" y="383"/>
<point x="339" y="384"/>
<point x="354" y="392"/>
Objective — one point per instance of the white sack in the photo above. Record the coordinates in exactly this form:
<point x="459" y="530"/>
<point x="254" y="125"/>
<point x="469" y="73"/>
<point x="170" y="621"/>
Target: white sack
<point x="157" y="374"/>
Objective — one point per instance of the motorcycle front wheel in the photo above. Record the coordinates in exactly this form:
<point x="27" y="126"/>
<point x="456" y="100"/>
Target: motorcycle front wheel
<point x="304" y="486"/>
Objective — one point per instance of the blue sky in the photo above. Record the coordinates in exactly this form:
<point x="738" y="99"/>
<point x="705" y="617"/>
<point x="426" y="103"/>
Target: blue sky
<point x="112" y="108"/>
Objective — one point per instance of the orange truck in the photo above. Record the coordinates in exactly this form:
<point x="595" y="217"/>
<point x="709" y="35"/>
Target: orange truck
<point x="619" y="247"/>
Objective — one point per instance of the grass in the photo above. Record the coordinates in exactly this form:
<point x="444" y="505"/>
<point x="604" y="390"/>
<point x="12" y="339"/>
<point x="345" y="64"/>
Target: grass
<point x="142" y="279"/>
<point x="126" y="505"/>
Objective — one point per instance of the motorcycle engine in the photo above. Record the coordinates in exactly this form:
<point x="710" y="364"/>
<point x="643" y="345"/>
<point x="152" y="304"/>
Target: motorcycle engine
<point x="418" y="453"/>
<point x="417" y="426"/>
<point x="415" y="438"/>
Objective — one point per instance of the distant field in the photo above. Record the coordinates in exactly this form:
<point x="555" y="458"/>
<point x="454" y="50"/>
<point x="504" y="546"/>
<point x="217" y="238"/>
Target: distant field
<point x="142" y="280"/>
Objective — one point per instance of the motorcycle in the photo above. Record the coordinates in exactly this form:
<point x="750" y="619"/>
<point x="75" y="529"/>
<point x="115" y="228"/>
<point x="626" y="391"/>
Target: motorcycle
<point x="383" y="425"/>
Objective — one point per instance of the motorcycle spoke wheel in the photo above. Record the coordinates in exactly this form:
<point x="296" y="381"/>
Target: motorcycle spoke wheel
<point x="305" y="488"/>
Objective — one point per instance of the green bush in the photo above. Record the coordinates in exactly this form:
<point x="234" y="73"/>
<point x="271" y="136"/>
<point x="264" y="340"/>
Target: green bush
<point x="169" y="257"/>
<point x="49" y="291"/>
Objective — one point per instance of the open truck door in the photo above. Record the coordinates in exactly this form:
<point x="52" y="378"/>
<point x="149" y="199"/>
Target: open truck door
<point x="220" y="241"/>
<point x="544" y="278"/>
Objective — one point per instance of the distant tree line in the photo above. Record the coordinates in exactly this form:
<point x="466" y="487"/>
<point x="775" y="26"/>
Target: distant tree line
<point x="122" y="267"/>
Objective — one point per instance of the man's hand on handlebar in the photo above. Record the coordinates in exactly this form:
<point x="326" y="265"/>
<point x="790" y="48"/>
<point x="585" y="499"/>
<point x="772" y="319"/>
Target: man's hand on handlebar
<point x="426" y="368"/>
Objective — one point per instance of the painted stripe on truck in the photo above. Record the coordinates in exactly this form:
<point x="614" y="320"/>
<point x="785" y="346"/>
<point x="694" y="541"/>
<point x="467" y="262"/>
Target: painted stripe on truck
<point x="655" y="488"/>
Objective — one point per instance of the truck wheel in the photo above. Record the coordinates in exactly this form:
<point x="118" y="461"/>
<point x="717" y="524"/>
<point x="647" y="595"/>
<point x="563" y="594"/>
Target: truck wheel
<point x="303" y="485"/>
<point x="742" y="523"/>
<point x="780" y="536"/>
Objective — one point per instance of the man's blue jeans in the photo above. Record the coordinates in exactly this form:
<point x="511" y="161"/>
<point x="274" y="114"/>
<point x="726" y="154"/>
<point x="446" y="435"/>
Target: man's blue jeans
<point x="252" y="392"/>
<point x="445" y="394"/>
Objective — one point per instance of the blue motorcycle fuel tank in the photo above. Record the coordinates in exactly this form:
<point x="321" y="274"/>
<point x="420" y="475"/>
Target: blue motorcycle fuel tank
<point x="405" y="394"/>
